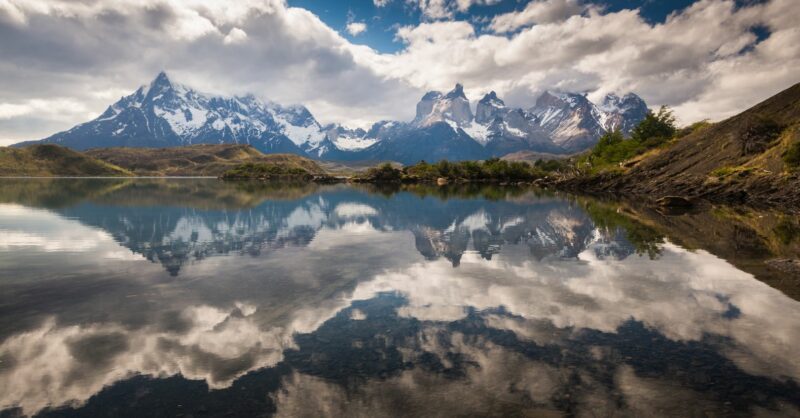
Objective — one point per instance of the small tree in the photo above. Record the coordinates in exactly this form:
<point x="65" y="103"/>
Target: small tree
<point x="655" y="128"/>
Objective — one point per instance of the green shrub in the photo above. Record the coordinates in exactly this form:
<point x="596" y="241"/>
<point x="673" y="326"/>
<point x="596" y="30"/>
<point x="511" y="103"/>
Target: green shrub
<point x="655" y="128"/>
<point x="493" y="169"/>
<point x="385" y="174"/>
<point x="695" y="127"/>
<point x="787" y="231"/>
<point x="759" y="134"/>
<point x="653" y="131"/>
<point x="792" y="156"/>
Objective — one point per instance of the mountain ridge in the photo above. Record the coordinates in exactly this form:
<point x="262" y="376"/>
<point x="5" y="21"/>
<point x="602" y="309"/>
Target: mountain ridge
<point x="165" y="114"/>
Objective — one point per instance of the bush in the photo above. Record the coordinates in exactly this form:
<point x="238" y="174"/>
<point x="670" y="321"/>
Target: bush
<point x="787" y="231"/>
<point x="493" y="169"/>
<point x="265" y="171"/>
<point x="551" y="165"/>
<point x="612" y="148"/>
<point x="792" y="156"/>
<point x="385" y="174"/>
<point x="695" y="127"/>
<point x="759" y="134"/>
<point x="655" y="128"/>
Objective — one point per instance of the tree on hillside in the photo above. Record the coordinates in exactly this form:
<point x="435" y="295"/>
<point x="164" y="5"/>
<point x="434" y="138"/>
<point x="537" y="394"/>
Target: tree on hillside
<point x="655" y="128"/>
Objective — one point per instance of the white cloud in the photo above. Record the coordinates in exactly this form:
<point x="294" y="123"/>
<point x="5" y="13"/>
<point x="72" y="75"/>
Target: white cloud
<point x="703" y="60"/>
<point x="445" y="9"/>
<point x="235" y="36"/>
<point x="380" y="3"/>
<point x="696" y="61"/>
<point x="62" y="108"/>
<point x="356" y="28"/>
<point x="540" y="11"/>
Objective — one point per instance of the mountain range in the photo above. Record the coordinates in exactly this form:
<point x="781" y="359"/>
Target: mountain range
<point x="168" y="114"/>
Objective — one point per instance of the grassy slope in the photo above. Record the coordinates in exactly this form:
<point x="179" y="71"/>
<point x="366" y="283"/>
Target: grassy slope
<point x="195" y="160"/>
<point x="53" y="160"/>
<point x="720" y="162"/>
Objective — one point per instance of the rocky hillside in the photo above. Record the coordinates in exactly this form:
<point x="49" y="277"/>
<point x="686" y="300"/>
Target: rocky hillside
<point x="52" y="160"/>
<point x="195" y="160"/>
<point x="749" y="158"/>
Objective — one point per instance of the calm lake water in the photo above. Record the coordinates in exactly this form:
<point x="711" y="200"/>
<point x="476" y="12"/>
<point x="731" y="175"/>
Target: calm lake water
<point x="193" y="297"/>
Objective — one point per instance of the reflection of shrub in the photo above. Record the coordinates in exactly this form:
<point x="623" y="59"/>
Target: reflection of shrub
<point x="786" y="231"/>
<point x="644" y="239"/>
<point x="792" y="155"/>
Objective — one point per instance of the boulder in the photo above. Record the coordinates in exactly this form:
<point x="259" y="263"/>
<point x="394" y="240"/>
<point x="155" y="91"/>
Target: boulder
<point x="674" y="202"/>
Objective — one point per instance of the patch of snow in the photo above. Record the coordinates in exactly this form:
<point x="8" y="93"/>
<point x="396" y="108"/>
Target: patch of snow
<point x="179" y="123"/>
<point x="452" y="124"/>
<point x="478" y="132"/>
<point x="300" y="135"/>
<point x="353" y="143"/>
<point x="514" y="131"/>
<point x="548" y="115"/>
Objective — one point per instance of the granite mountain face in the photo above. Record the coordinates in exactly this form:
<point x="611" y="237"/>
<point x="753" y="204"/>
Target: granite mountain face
<point x="168" y="114"/>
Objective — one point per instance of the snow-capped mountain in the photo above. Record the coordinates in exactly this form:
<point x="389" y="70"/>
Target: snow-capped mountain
<point x="167" y="114"/>
<point x="574" y="123"/>
<point x="452" y="108"/>
<point x="164" y="114"/>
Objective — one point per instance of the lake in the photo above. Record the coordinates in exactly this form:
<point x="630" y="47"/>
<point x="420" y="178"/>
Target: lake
<point x="195" y="297"/>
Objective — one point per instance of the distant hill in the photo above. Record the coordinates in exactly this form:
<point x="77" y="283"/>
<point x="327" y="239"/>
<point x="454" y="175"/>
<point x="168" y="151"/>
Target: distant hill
<point x="749" y="158"/>
<point x="52" y="160"/>
<point x="195" y="160"/>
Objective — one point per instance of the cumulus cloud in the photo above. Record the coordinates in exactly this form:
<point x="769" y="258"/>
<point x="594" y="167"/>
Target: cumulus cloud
<point x="235" y="36"/>
<point x="356" y="28"/>
<point x="705" y="61"/>
<point x="445" y="9"/>
<point x="542" y="11"/>
<point x="72" y="49"/>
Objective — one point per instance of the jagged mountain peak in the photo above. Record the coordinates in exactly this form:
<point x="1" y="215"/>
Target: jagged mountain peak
<point x="161" y="80"/>
<point x="432" y="95"/>
<point x="492" y="99"/>
<point x="457" y="92"/>
<point x="560" y="98"/>
<point x="452" y="108"/>
<point x="575" y="123"/>
<point x="489" y="108"/>
<point x="613" y="101"/>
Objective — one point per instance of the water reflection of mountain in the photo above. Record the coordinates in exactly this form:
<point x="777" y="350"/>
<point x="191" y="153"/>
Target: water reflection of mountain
<point x="176" y="234"/>
<point x="356" y="322"/>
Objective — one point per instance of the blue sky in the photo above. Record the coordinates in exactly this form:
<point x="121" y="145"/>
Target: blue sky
<point x="382" y="22"/>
